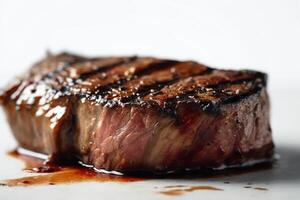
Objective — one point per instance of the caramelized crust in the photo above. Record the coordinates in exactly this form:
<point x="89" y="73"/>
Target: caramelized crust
<point x="133" y="80"/>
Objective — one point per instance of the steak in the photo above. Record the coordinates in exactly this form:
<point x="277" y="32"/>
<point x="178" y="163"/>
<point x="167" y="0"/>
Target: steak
<point x="131" y="114"/>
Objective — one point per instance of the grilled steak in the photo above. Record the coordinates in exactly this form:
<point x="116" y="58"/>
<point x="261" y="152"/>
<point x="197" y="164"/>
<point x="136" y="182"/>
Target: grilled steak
<point x="140" y="113"/>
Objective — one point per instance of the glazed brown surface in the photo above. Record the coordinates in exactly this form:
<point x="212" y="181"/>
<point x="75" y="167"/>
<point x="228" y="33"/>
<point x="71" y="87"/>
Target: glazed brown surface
<point x="142" y="114"/>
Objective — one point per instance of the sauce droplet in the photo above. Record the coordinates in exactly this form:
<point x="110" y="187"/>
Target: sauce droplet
<point x="261" y="188"/>
<point x="180" y="189"/>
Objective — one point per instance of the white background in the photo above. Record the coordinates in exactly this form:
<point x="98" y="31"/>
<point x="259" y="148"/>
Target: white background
<point x="254" y="34"/>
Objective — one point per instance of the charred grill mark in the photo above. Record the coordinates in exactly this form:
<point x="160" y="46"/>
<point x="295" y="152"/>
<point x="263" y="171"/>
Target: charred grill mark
<point x="60" y="81"/>
<point x="210" y="98"/>
<point x="231" y="97"/>
<point x="153" y="82"/>
<point x="193" y="84"/>
<point x="62" y="65"/>
<point x="53" y="64"/>
<point x="107" y="67"/>
<point x="229" y="92"/>
<point x="44" y="71"/>
<point x="114" y="79"/>
<point x="156" y="67"/>
<point x="82" y="70"/>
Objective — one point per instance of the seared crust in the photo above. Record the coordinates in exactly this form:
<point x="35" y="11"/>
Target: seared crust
<point x="112" y="81"/>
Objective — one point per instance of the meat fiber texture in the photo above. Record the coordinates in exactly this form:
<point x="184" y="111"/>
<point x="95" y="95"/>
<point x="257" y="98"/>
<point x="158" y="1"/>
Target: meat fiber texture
<point x="140" y="114"/>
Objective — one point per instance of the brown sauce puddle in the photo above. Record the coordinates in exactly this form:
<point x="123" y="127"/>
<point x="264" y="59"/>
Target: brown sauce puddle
<point x="181" y="189"/>
<point x="256" y="188"/>
<point x="53" y="175"/>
